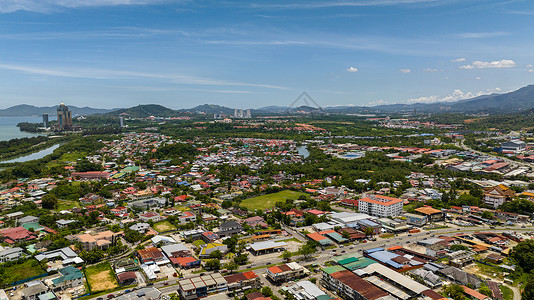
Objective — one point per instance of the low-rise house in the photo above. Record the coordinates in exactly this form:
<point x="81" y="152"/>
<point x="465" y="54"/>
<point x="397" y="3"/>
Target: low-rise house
<point x="59" y="258"/>
<point x="140" y="227"/>
<point x="432" y="214"/>
<point x="101" y="240"/>
<point x="185" y="262"/>
<point x="70" y="277"/>
<point x="187" y="217"/>
<point x="416" y="220"/>
<point x="306" y="290"/>
<point x="209" y="237"/>
<point x="127" y="278"/>
<point x="33" y="290"/>
<point x="150" y="255"/>
<point x="11" y="254"/>
<point x="461" y="258"/>
<point x="207" y="249"/>
<point x="239" y="282"/>
<point x="17" y="234"/>
<point x="461" y="277"/>
<point x="428" y="278"/>
<point x="201" y="286"/>
<point x="27" y="219"/>
<point x="229" y="228"/>
<point x="150" y="216"/>
<point x="285" y="272"/>
<point x="64" y="223"/>
<point x="162" y="240"/>
<point x="176" y="250"/>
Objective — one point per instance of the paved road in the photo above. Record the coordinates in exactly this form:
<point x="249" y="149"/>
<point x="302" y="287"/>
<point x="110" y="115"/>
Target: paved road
<point x="322" y="256"/>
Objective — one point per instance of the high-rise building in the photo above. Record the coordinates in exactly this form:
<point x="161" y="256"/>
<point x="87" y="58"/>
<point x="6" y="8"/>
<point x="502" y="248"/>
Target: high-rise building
<point x="64" y="118"/>
<point x="45" y="120"/>
<point x="121" y="121"/>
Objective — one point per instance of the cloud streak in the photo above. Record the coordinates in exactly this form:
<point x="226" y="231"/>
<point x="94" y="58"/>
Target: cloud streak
<point x="47" y="6"/>
<point x="101" y="74"/>
<point x="352" y="70"/>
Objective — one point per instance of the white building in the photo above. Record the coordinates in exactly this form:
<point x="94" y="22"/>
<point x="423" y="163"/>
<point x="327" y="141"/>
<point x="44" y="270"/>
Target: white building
<point x="380" y="206"/>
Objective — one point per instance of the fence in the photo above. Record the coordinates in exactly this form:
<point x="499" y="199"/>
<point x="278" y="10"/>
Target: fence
<point x="28" y="279"/>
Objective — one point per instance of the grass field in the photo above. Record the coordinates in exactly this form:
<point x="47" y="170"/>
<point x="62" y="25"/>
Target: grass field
<point x="66" y="205"/>
<point x="27" y="269"/>
<point x="268" y="201"/>
<point x="164" y="226"/>
<point x="199" y="243"/>
<point x="100" y="277"/>
<point x="507" y="293"/>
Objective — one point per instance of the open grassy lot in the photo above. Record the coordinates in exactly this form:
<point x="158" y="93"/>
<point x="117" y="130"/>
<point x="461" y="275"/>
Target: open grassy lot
<point x="66" y="205"/>
<point x="164" y="226"/>
<point x="100" y="277"/>
<point x="199" y="243"/>
<point x="268" y="201"/>
<point x="16" y="272"/>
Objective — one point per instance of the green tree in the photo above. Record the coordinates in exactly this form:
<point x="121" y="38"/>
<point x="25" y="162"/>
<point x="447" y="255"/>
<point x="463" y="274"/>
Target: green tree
<point x="266" y="291"/>
<point x="368" y="231"/>
<point x="213" y="264"/>
<point x="286" y="255"/>
<point x="484" y="289"/>
<point x="454" y="291"/>
<point x="528" y="291"/>
<point x="217" y="254"/>
<point x="231" y="266"/>
<point x="523" y="255"/>
<point x="307" y="250"/>
<point x="487" y="215"/>
<point x="458" y="247"/>
<point x="50" y="201"/>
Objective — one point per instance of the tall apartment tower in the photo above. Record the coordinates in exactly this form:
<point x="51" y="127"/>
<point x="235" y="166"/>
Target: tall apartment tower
<point x="121" y="121"/>
<point x="45" y="120"/>
<point x="64" y="118"/>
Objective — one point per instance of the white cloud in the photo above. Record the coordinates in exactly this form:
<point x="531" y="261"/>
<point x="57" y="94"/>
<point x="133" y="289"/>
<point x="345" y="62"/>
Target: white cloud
<point x="377" y="102"/>
<point x="454" y="96"/>
<point x="44" y="6"/>
<point x="497" y="64"/>
<point x="352" y="70"/>
<point x="431" y="70"/>
<point x="458" y="59"/>
<point x="529" y="66"/>
<point x="405" y="71"/>
<point x="531" y="70"/>
<point x="477" y="78"/>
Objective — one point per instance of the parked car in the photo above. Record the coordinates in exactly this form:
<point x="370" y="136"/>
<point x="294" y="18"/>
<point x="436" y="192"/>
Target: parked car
<point x="111" y="296"/>
<point x="165" y="283"/>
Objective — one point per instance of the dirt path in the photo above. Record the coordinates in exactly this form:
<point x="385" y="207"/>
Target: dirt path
<point x="517" y="293"/>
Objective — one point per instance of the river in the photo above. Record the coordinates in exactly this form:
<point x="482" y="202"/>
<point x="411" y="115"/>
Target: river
<point x="33" y="156"/>
<point x="9" y="130"/>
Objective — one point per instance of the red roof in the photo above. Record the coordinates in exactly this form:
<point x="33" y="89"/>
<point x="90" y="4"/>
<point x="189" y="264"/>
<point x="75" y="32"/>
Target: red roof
<point x="382" y="200"/>
<point x="182" y="261"/>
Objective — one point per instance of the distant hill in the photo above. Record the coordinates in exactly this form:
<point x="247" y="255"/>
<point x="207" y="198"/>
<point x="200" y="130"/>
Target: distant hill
<point x="146" y="110"/>
<point x="516" y="101"/>
<point x="210" y="109"/>
<point x="25" y="110"/>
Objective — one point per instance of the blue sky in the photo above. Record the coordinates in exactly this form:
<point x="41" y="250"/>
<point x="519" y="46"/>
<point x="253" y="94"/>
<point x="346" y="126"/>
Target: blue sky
<point x="249" y="54"/>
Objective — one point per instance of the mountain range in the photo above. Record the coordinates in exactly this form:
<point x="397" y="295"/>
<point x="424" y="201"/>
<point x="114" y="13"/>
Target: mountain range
<point x="512" y="102"/>
<point x="25" y="110"/>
